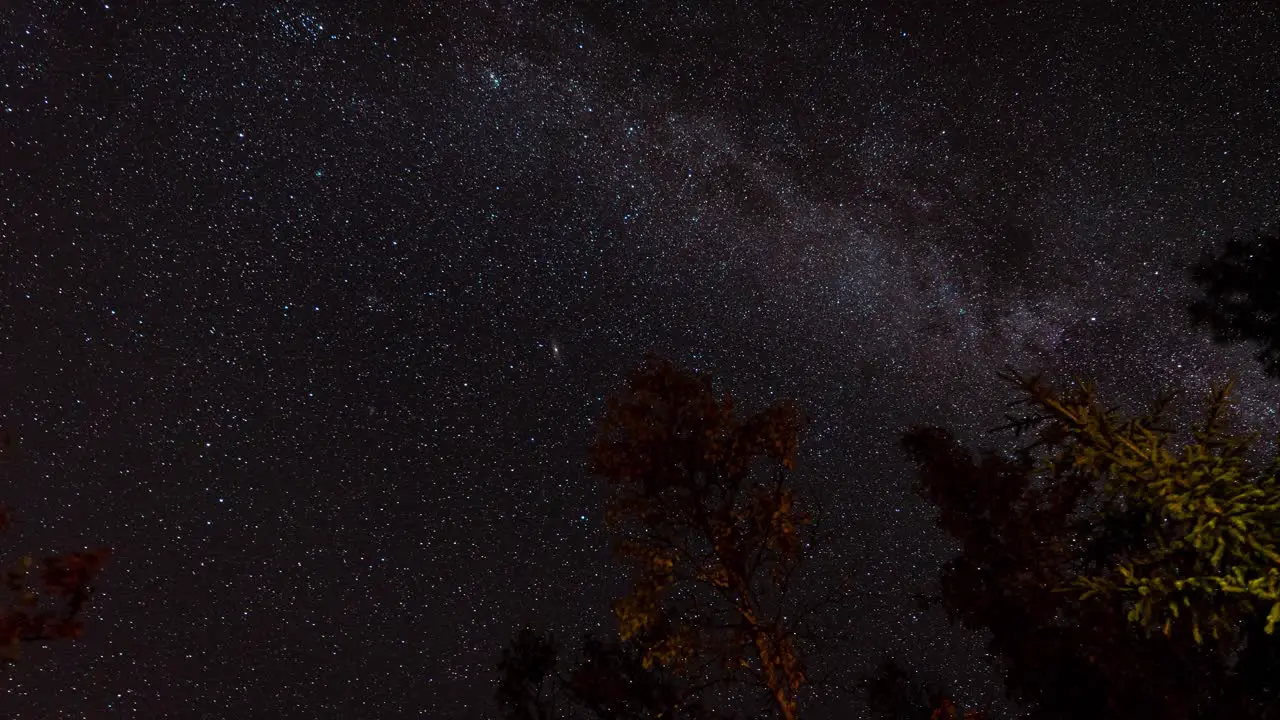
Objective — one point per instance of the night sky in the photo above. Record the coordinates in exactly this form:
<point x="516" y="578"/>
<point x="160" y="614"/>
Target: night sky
<point x="308" y="309"/>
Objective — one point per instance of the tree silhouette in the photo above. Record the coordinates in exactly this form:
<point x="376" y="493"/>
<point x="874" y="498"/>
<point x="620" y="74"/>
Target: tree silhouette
<point x="608" y="681"/>
<point x="892" y="692"/>
<point x="1118" y="574"/>
<point x="1241" y="296"/>
<point x="704" y="510"/>
<point x="705" y="513"/>
<point x="43" y="600"/>
<point x="527" y="682"/>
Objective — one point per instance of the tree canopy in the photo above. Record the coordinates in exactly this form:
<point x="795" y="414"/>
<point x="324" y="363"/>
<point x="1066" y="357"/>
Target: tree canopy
<point x="1123" y="565"/>
<point x="1120" y="570"/>
<point x="705" y="511"/>
<point x="44" y="599"/>
<point x="1240" y="300"/>
<point x="704" y="514"/>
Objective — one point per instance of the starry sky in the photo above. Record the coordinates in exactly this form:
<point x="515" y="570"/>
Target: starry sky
<point x="309" y="307"/>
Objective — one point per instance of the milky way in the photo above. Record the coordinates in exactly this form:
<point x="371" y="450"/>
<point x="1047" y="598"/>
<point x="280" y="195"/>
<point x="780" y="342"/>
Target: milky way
<point x="308" y="311"/>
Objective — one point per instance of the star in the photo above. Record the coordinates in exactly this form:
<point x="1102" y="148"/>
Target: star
<point x="794" y="203"/>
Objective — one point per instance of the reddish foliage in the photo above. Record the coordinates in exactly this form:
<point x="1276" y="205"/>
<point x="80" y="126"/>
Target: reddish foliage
<point x="71" y="574"/>
<point x="947" y="710"/>
<point x="702" y="508"/>
<point x="54" y="609"/>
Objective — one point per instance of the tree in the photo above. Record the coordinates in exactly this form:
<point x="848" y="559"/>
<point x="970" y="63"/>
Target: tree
<point x="1241" y="296"/>
<point x="1208" y="555"/>
<point x="705" y="513"/>
<point x="1120" y="572"/>
<point x="52" y="605"/>
<point x="892" y="692"/>
<point x="526" y="685"/>
<point x="608" y="681"/>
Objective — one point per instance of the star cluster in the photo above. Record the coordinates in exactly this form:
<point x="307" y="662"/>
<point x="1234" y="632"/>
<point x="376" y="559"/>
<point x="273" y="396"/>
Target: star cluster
<point x="309" y="308"/>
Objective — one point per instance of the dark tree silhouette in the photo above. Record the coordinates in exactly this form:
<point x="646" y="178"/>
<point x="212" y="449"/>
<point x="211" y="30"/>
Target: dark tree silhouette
<point x="1119" y="575"/>
<point x="612" y="681"/>
<point x="526" y="677"/>
<point x="43" y="600"/>
<point x="1241" y="296"/>
<point x="892" y="692"/>
<point x="704" y="511"/>
<point x="608" y="681"/>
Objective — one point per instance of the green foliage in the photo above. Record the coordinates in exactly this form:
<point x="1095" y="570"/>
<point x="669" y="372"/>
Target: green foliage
<point x="1209" y="556"/>
<point x="1120" y="567"/>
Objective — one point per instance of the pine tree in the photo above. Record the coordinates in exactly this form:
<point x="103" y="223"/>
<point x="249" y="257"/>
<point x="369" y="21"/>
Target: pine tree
<point x="1120" y="569"/>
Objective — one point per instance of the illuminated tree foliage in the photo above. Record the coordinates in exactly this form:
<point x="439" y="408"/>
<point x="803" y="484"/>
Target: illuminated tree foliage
<point x="1211" y="525"/>
<point x="44" y="599"/>
<point x="1122" y="572"/>
<point x="704" y="515"/>
<point x="1241" y="296"/>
